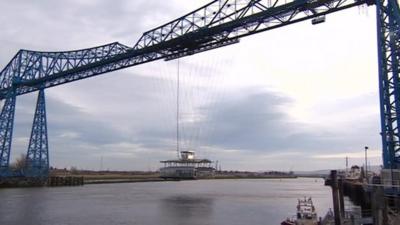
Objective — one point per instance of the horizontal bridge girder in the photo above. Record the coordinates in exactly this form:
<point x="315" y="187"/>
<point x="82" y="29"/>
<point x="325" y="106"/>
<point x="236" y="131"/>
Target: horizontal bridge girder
<point x="221" y="21"/>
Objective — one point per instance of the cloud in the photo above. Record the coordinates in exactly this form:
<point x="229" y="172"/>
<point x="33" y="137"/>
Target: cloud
<point x="258" y="121"/>
<point x="355" y="155"/>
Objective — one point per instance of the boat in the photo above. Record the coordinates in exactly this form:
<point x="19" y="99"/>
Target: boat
<point x="306" y="214"/>
<point x="289" y="221"/>
<point x="187" y="167"/>
<point x="354" y="174"/>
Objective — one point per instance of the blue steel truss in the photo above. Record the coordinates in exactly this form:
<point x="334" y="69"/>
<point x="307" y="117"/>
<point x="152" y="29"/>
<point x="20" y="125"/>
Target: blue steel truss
<point x="37" y="158"/>
<point x="388" y="24"/>
<point x="6" y="128"/>
<point x="217" y="24"/>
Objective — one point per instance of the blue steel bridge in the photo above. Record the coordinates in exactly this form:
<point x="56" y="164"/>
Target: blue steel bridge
<point x="219" y="23"/>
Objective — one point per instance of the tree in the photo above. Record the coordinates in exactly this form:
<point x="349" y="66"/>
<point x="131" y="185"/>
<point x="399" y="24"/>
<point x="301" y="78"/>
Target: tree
<point x="20" y="163"/>
<point x="74" y="170"/>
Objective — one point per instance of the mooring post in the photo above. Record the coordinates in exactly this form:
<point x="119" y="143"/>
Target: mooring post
<point x="341" y="198"/>
<point x="379" y="209"/>
<point x="335" y="197"/>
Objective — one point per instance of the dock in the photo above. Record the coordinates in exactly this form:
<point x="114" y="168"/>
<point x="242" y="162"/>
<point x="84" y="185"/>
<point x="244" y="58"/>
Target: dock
<point x="56" y="181"/>
<point x="379" y="200"/>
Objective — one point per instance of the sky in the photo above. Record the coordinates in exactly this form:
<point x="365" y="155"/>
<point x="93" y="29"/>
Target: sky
<point x="301" y="97"/>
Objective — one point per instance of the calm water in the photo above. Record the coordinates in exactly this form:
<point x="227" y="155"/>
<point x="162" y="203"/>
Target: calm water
<point x="213" y="202"/>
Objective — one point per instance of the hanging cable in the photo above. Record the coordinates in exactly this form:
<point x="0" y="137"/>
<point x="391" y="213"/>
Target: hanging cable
<point x="177" y="111"/>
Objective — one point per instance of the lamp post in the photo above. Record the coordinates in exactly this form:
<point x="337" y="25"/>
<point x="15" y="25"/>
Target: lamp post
<point x="366" y="166"/>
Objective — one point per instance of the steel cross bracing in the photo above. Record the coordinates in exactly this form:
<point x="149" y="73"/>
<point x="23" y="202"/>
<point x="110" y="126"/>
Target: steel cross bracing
<point x="6" y="128"/>
<point x="31" y="70"/>
<point x="217" y="24"/>
<point x="388" y="24"/>
<point x="37" y="158"/>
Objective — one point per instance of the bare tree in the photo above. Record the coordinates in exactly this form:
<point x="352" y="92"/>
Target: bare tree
<point x="20" y="163"/>
<point x="74" y="170"/>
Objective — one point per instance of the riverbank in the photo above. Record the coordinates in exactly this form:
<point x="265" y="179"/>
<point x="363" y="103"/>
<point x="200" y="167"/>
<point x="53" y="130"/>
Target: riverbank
<point x="16" y="182"/>
<point x="117" y="177"/>
<point x="110" y="180"/>
<point x="68" y="178"/>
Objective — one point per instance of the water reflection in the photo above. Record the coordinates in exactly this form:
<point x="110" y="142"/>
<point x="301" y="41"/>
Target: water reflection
<point x="29" y="205"/>
<point x="186" y="206"/>
<point x="204" y="202"/>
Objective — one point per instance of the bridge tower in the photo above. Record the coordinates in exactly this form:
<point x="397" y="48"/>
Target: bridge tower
<point x="37" y="158"/>
<point x="6" y="129"/>
<point x="388" y="30"/>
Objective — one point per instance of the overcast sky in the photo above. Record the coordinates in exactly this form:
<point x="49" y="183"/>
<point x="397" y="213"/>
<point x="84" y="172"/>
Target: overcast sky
<point x="301" y="97"/>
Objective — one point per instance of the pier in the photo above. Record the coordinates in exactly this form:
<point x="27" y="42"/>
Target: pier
<point x="55" y="181"/>
<point x="379" y="200"/>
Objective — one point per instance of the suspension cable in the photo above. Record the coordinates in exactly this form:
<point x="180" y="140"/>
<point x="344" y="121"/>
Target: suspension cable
<point x="177" y="111"/>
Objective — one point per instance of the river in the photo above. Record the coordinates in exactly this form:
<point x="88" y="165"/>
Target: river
<point x="201" y="202"/>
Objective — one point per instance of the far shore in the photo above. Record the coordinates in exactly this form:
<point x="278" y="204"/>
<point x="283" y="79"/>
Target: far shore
<point x="154" y="179"/>
<point x="108" y="177"/>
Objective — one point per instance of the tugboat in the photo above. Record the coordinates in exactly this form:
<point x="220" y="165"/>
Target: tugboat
<point x="289" y="221"/>
<point x="306" y="214"/>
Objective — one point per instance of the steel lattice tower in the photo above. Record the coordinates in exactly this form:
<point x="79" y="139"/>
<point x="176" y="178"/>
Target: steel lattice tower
<point x="6" y="128"/>
<point x="388" y="30"/>
<point x="37" y="158"/>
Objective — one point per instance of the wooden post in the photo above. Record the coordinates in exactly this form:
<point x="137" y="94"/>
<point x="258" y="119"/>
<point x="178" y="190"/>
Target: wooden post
<point x="335" y="197"/>
<point x="379" y="210"/>
<point x="341" y="198"/>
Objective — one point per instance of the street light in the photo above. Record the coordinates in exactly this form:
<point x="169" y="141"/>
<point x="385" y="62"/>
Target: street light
<point x="366" y="167"/>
